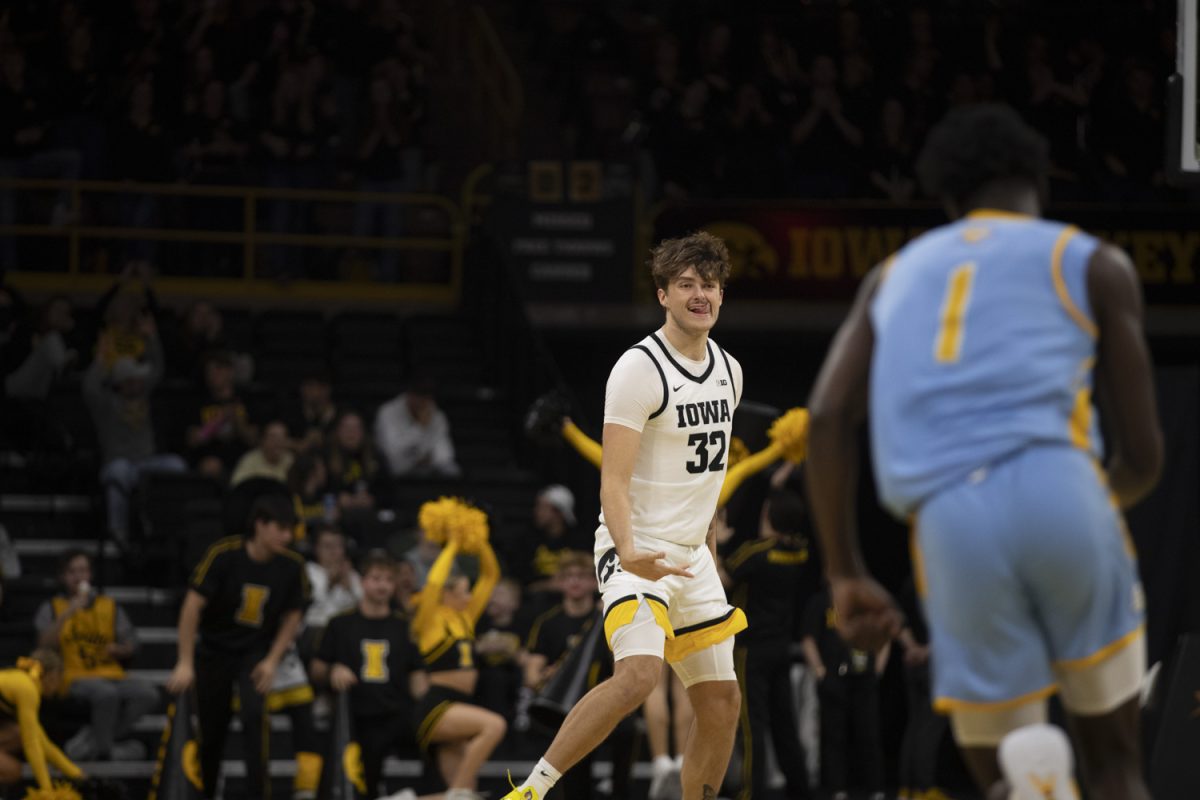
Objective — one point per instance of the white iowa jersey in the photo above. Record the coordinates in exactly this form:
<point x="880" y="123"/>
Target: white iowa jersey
<point x="684" y="410"/>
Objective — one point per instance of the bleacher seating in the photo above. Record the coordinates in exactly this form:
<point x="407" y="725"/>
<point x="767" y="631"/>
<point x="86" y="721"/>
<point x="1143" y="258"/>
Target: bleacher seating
<point x="60" y="506"/>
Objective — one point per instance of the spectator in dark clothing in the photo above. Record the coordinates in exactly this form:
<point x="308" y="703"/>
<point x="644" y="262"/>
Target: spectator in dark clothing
<point x="552" y="637"/>
<point x="923" y="768"/>
<point x="141" y="151"/>
<point x="119" y="400"/>
<point x="390" y="118"/>
<point x="534" y="559"/>
<point x="32" y="359"/>
<point x="123" y="308"/>
<point x="827" y="136"/>
<point x="499" y="642"/>
<point x="308" y="480"/>
<point x="752" y="164"/>
<point x="287" y="139"/>
<point x="848" y="692"/>
<point x="219" y="428"/>
<point x="369" y="653"/>
<point x="891" y="169"/>
<point x="48" y="353"/>
<point x="352" y="464"/>
<point x="216" y="143"/>
<point x="200" y="332"/>
<point x="687" y="146"/>
<point x="311" y="417"/>
<point x="1132" y="144"/>
<point x="79" y="101"/>
<point x="27" y="149"/>
<point x="246" y="600"/>
<point x="769" y="579"/>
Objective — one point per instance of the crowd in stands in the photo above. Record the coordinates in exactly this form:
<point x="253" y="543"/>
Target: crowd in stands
<point x="279" y="92"/>
<point x="835" y="102"/>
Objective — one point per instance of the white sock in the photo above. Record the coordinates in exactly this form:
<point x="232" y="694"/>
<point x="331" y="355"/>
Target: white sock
<point x="663" y="763"/>
<point x="1036" y="759"/>
<point x="679" y="761"/>
<point x="542" y="778"/>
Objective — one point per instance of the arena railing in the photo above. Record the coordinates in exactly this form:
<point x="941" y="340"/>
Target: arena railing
<point x="261" y="260"/>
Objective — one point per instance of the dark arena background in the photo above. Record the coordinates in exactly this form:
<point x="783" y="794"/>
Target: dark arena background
<point x="247" y="245"/>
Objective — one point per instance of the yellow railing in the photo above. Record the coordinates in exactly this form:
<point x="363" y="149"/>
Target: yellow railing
<point x="77" y="231"/>
<point x="499" y="85"/>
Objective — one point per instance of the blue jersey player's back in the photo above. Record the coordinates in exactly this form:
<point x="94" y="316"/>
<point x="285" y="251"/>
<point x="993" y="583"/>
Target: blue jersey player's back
<point x="984" y="345"/>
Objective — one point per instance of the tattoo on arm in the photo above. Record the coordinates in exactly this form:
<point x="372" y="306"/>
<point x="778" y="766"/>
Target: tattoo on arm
<point x="709" y="793"/>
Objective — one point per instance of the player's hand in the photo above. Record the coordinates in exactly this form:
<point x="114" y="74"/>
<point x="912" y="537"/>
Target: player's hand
<point x="867" y="617"/>
<point x="916" y="655"/>
<point x="650" y="565"/>
<point x="181" y="678"/>
<point x="263" y="675"/>
<point x="342" y="677"/>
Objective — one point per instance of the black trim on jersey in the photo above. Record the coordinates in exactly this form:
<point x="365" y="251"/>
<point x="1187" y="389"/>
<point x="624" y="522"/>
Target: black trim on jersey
<point x="618" y="602"/>
<point x="701" y="625"/>
<point x="662" y="375"/>
<point x="729" y="372"/>
<point x="698" y="379"/>
<point x="629" y="597"/>
<point x="658" y="600"/>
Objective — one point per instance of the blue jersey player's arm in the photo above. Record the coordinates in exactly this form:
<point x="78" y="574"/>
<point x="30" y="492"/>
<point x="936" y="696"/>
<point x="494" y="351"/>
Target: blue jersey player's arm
<point x="867" y="615"/>
<point x="1124" y="378"/>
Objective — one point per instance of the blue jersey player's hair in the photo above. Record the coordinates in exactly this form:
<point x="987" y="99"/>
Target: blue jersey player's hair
<point x="977" y="145"/>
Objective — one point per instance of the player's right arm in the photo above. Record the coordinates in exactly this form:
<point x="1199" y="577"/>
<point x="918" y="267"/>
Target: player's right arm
<point x="616" y="473"/>
<point x="1124" y="378"/>
<point x="867" y="615"/>
<point x="634" y="394"/>
<point x="189" y="622"/>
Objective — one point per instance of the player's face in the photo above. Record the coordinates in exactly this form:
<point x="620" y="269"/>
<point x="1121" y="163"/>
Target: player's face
<point x="379" y="584"/>
<point x="692" y="302"/>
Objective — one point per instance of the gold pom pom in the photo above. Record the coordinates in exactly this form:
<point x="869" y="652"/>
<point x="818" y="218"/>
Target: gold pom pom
<point x="737" y="451"/>
<point x="450" y="519"/>
<point x="434" y="519"/>
<point x="469" y="529"/>
<point x="60" y="791"/>
<point x="790" y="432"/>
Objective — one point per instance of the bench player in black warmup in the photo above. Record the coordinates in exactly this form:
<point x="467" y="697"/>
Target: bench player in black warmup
<point x="245" y="600"/>
<point x="770" y="577"/>
<point x="368" y="652"/>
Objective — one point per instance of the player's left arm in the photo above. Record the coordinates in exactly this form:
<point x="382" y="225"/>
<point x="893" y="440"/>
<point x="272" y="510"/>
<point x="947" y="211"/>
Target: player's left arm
<point x="1124" y="378"/>
<point x="868" y="617"/>
<point x="837" y="408"/>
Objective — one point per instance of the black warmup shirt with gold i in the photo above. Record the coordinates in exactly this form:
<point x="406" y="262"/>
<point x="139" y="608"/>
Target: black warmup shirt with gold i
<point x="382" y="655"/>
<point x="773" y="580"/>
<point x="246" y="598"/>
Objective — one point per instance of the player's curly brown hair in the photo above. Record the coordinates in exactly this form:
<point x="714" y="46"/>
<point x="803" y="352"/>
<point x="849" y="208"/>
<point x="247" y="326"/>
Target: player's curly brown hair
<point x="707" y="253"/>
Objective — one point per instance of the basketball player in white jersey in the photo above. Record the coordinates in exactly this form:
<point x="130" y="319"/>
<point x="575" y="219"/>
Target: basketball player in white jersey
<point x="668" y="413"/>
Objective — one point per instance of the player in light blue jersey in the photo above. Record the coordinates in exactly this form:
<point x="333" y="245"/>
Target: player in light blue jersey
<point x="973" y="351"/>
